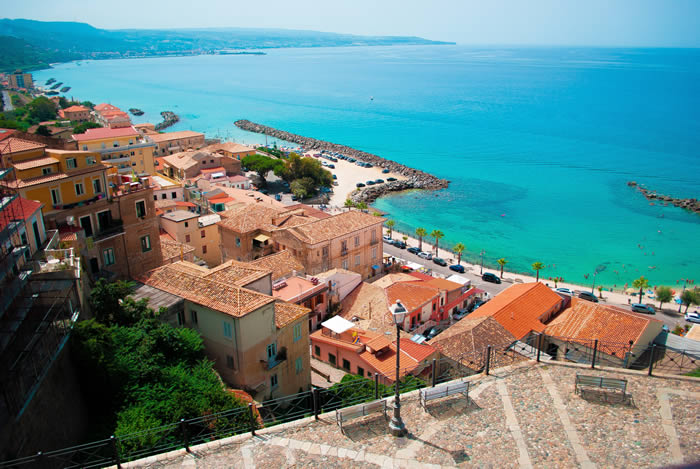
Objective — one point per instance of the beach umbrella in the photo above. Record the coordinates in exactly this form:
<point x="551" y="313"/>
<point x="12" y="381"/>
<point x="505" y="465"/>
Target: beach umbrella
<point x="631" y="290"/>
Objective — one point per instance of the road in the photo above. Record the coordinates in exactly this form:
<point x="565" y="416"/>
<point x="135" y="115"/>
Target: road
<point x="7" y="101"/>
<point x="669" y="315"/>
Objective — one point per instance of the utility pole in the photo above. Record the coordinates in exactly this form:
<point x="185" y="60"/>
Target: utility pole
<point x="482" y="262"/>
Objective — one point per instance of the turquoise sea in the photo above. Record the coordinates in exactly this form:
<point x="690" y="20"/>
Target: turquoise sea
<point x="538" y="143"/>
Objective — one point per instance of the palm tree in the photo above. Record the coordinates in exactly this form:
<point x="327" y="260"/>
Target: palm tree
<point x="349" y="204"/>
<point x="641" y="283"/>
<point x="537" y="266"/>
<point x="664" y="295"/>
<point x="420" y="232"/>
<point x="390" y="225"/>
<point x="437" y="234"/>
<point x="459" y="249"/>
<point x="502" y="262"/>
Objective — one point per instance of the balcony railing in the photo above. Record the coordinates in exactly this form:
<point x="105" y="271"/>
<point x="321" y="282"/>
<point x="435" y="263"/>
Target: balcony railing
<point x="116" y="227"/>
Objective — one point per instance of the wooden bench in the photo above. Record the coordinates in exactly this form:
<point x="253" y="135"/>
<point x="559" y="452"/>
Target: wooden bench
<point x="430" y="394"/>
<point x="359" y="410"/>
<point x="617" y="386"/>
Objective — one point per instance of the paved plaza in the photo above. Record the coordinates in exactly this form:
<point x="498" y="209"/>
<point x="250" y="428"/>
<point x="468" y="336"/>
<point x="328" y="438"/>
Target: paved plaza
<point x="527" y="416"/>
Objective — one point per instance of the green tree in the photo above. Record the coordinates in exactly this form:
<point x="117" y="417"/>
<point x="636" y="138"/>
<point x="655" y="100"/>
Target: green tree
<point x="421" y="232"/>
<point x="390" y="226"/>
<point x="106" y="300"/>
<point x="303" y="188"/>
<point x="361" y="205"/>
<point x="297" y="167"/>
<point x="437" y="235"/>
<point x="43" y="130"/>
<point x="83" y="126"/>
<point x="689" y="297"/>
<point x="664" y="295"/>
<point x="459" y="249"/>
<point x="641" y="283"/>
<point x="537" y="266"/>
<point x="262" y="165"/>
<point x="502" y="262"/>
<point x="88" y="104"/>
<point x="42" y="109"/>
<point x="350" y="204"/>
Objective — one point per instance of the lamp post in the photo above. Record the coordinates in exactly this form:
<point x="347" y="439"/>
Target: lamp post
<point x="481" y="272"/>
<point x="397" y="427"/>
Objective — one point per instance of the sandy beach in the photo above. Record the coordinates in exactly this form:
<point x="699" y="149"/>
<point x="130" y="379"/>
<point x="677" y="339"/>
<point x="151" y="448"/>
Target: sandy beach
<point x="349" y="174"/>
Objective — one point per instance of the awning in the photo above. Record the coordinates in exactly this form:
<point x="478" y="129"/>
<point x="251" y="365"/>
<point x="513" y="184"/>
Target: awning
<point x="261" y="237"/>
<point x="338" y="324"/>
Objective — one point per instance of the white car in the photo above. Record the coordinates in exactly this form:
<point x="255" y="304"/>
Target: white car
<point x="565" y="291"/>
<point x="425" y="255"/>
<point x="387" y="238"/>
<point x="692" y="317"/>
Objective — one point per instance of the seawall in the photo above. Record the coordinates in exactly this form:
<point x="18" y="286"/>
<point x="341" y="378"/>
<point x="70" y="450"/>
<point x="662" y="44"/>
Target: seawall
<point x="416" y="179"/>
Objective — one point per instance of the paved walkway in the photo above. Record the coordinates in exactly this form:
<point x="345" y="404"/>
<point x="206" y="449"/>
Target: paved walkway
<point x="526" y="417"/>
<point x="317" y="380"/>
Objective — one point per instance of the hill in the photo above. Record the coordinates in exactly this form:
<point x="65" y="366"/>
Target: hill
<point x="81" y="40"/>
<point x="19" y="54"/>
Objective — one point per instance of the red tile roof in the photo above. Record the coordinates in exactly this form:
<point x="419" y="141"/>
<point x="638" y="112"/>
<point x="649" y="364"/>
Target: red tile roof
<point x="521" y="308"/>
<point x="411" y="295"/>
<point x="19" y="209"/>
<point x="16" y="145"/>
<point x="105" y="132"/>
<point x="419" y="352"/>
<point x="76" y="109"/>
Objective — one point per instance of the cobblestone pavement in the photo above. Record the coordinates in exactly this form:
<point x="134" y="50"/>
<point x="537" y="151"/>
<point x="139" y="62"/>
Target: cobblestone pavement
<point x="524" y="417"/>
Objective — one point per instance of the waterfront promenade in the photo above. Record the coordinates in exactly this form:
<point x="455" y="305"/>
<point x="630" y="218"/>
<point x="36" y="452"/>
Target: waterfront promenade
<point x="526" y="416"/>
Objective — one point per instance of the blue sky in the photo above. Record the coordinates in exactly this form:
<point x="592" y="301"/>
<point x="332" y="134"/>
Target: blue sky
<point x="660" y="23"/>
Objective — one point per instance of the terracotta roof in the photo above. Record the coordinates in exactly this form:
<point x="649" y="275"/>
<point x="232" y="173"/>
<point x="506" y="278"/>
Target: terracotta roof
<point x="164" y="203"/>
<point x="418" y="352"/>
<point x="180" y="203"/>
<point x="443" y="284"/>
<point x="20" y="183"/>
<point x="18" y="209"/>
<point x="412" y="295"/>
<point x="308" y="210"/>
<point x="105" y="106"/>
<point x="281" y="264"/>
<point x="249" y="218"/>
<point x="16" y="145"/>
<point x="34" y="163"/>
<point x="608" y="324"/>
<point x="391" y="279"/>
<point x="466" y="340"/>
<point x="385" y="362"/>
<point x="68" y="233"/>
<point x="226" y="298"/>
<point x="287" y="313"/>
<point x="520" y="307"/>
<point x="159" y="138"/>
<point x="378" y="343"/>
<point x="368" y="302"/>
<point x="335" y="226"/>
<point x="185" y="159"/>
<point x="218" y="169"/>
<point x="76" y="109"/>
<point x="106" y="132"/>
<point x="230" y="147"/>
<point x="172" y="249"/>
<point x="230" y="272"/>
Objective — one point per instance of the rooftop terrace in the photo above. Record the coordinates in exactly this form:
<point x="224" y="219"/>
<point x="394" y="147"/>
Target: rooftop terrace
<point x="527" y="415"/>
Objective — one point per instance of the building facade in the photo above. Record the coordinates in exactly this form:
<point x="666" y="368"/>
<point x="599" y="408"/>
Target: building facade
<point x="174" y="142"/>
<point x="123" y="148"/>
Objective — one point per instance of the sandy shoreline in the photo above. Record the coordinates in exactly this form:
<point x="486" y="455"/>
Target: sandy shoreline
<point x="348" y="175"/>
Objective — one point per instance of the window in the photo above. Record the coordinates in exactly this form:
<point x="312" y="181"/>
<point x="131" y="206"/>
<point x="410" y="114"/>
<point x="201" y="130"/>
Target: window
<point x="331" y="359"/>
<point x="374" y="235"/>
<point x="55" y="196"/>
<point x="238" y="242"/>
<point x="202" y="234"/>
<point x="229" y="361"/>
<point x="374" y="253"/>
<point x="91" y="160"/>
<point x="187" y="224"/>
<point x="173" y="195"/>
<point x="345" y="264"/>
<point x="131" y="142"/>
<point x="344" y="246"/>
<point x="227" y="330"/>
<point x="357" y="241"/>
<point x="297" y="332"/>
<point x="96" y="186"/>
<point x="141" y="209"/>
<point x="79" y="189"/>
<point x="163" y="196"/>
<point x="298" y="365"/>
<point x="23" y="238"/>
<point x="204" y="249"/>
<point x="103" y="146"/>
<point x="346" y="365"/>
<point x="317" y="350"/>
<point x="180" y="318"/>
<point x="360" y="371"/>
<point x="155" y="197"/>
<point x="116" y="143"/>
<point x="108" y="256"/>
<point x="145" y="243"/>
<point x="85" y="147"/>
<point x="272" y="351"/>
<point x="187" y="238"/>
<point x="71" y="163"/>
<point x="193" y="317"/>
<point x="357" y="259"/>
<point x="273" y="382"/>
<point x="46" y="171"/>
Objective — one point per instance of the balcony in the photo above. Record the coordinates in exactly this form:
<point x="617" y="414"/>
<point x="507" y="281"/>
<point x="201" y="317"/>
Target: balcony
<point x="374" y="242"/>
<point x="56" y="260"/>
<point x="273" y="362"/>
<point x="115" y="227"/>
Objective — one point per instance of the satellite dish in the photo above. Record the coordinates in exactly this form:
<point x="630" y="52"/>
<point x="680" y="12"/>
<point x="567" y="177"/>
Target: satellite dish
<point x="70" y="220"/>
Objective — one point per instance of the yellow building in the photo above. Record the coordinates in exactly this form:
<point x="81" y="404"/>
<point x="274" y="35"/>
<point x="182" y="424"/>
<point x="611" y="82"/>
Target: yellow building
<point x="124" y="148"/>
<point x="60" y="179"/>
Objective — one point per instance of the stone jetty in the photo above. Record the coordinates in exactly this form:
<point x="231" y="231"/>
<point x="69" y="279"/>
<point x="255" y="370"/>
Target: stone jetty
<point x="692" y="205"/>
<point x="169" y="118"/>
<point x="416" y="179"/>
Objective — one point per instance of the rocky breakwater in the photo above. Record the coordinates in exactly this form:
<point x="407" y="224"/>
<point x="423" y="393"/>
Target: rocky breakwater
<point x="692" y="205"/>
<point x="416" y="179"/>
<point x="169" y="118"/>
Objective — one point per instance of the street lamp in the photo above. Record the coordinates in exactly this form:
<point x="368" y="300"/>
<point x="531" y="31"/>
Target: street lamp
<point x="482" y="262"/>
<point x="398" y="313"/>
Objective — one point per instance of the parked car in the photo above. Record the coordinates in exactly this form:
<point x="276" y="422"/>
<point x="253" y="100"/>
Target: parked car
<point x="413" y="250"/>
<point x="370" y="183"/>
<point x="294" y="197"/>
<point x="457" y="268"/>
<point x="645" y="309"/>
<point x="489" y="277"/>
<point x="379" y="181"/>
<point x="425" y="255"/>
<point x="584" y="295"/>
<point x="399" y="244"/>
<point x="385" y="170"/>
<point x="352" y="160"/>
<point x="332" y="166"/>
<point x="459" y="314"/>
<point x="692" y="317"/>
<point x="391" y="179"/>
<point x="359" y="184"/>
<point x="387" y="239"/>
<point x="432" y="332"/>
<point x="479" y="303"/>
<point x="278" y="197"/>
<point x="335" y="177"/>
<point x="565" y="291"/>
<point x="440" y="261"/>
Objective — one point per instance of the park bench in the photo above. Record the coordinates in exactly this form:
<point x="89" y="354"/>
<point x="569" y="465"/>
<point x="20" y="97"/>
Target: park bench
<point x="430" y="394"/>
<point x="359" y="410"/>
<point x="617" y="386"/>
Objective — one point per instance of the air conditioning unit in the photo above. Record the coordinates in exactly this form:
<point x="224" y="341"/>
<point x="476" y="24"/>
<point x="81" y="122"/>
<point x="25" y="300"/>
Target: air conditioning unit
<point x="70" y="220"/>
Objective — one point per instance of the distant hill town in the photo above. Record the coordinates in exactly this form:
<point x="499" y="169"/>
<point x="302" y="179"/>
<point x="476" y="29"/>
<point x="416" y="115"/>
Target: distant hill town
<point x="47" y="42"/>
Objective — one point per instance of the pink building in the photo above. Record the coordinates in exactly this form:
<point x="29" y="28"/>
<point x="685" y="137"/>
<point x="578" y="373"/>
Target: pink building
<point x="305" y="291"/>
